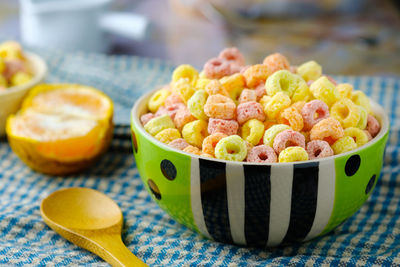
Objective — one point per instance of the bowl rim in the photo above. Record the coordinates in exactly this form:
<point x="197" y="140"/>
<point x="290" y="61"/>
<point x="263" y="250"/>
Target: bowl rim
<point x="378" y="110"/>
<point x="39" y="67"/>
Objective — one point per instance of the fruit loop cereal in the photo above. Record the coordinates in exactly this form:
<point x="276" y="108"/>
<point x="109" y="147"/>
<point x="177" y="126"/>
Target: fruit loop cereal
<point x="263" y="113"/>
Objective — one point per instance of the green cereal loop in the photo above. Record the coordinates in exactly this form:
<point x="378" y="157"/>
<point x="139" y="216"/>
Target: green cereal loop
<point x="362" y="123"/>
<point x="281" y="81"/>
<point x="157" y="124"/>
<point x="310" y="71"/>
<point x="196" y="104"/>
<point x="270" y="134"/>
<point x="231" y="148"/>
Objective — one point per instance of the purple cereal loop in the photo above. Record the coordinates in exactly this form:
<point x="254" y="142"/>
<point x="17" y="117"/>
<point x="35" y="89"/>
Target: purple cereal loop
<point x="288" y="138"/>
<point x="250" y="110"/>
<point x="179" y="143"/>
<point x="317" y="149"/>
<point x="308" y="111"/>
<point x="217" y="68"/>
<point x="262" y="154"/>
<point x="228" y="127"/>
<point x="145" y="118"/>
<point x="373" y="126"/>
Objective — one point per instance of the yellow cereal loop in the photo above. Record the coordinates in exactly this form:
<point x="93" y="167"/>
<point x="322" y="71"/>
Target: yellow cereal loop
<point x="302" y="92"/>
<point x="278" y="102"/>
<point x="186" y="72"/>
<point x="346" y="112"/>
<point x="252" y="131"/>
<point x="362" y="123"/>
<point x="264" y="100"/>
<point x="234" y="85"/>
<point x="157" y="124"/>
<point x="281" y="81"/>
<point x="183" y="88"/>
<point x="359" y="98"/>
<point x="11" y="50"/>
<point x="345" y="90"/>
<point x="344" y="144"/>
<point x="293" y="153"/>
<point x="232" y="148"/>
<point x="196" y="104"/>
<point x="324" y="90"/>
<point x="359" y="136"/>
<point x="168" y="135"/>
<point x="202" y="83"/>
<point x="20" y="78"/>
<point x="298" y="105"/>
<point x="310" y="71"/>
<point x="158" y="99"/>
<point x="270" y="134"/>
<point x="194" y="132"/>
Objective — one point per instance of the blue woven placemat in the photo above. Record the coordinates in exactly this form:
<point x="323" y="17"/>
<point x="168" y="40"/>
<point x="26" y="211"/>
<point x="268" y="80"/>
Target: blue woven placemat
<point x="371" y="236"/>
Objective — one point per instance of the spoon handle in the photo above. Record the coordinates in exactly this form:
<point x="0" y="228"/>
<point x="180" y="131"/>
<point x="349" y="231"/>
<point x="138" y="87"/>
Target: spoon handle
<point x="111" y="248"/>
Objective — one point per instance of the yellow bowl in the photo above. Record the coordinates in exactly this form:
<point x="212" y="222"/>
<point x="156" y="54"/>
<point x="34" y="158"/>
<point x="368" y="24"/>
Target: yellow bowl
<point x="10" y="100"/>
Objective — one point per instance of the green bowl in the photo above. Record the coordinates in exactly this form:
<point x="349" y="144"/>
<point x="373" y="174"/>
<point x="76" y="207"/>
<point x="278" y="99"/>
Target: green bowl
<point x="257" y="204"/>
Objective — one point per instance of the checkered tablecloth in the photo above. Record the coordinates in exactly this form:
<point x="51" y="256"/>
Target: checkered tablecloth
<point x="370" y="237"/>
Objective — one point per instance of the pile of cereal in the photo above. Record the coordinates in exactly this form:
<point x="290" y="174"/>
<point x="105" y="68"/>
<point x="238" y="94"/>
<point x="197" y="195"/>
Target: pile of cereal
<point x="269" y="112"/>
<point x="14" y="68"/>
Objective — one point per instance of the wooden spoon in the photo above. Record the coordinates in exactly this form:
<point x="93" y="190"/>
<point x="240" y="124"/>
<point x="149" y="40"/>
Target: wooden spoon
<point x="90" y="220"/>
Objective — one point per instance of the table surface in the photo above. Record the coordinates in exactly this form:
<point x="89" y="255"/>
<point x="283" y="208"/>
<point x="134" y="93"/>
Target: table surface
<point x="364" y="43"/>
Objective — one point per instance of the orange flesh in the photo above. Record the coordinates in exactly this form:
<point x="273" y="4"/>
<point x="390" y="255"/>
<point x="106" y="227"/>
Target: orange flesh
<point x="64" y="124"/>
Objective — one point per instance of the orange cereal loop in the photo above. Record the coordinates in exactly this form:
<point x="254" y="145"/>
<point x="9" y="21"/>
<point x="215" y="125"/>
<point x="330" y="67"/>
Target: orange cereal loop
<point x="328" y="130"/>
<point x="299" y="105"/>
<point x="172" y="99"/>
<point x="182" y="117"/>
<point x="192" y="150"/>
<point x="220" y="107"/>
<point x="233" y="84"/>
<point x="214" y="87"/>
<point x="256" y="74"/>
<point x="276" y="62"/>
<point x="248" y="95"/>
<point x="210" y="142"/>
<point x="268" y="124"/>
<point x="292" y="117"/>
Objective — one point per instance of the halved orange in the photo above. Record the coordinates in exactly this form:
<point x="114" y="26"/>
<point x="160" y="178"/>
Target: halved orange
<point x="61" y="128"/>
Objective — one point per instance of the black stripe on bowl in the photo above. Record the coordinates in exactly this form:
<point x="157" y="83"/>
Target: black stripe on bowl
<point x="214" y="199"/>
<point x="304" y="201"/>
<point x="257" y="204"/>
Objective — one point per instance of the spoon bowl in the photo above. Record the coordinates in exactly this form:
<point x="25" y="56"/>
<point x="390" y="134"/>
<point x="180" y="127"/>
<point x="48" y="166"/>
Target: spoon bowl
<point x="90" y="220"/>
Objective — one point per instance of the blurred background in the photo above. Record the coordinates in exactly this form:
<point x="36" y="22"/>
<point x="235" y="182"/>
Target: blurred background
<point x="358" y="37"/>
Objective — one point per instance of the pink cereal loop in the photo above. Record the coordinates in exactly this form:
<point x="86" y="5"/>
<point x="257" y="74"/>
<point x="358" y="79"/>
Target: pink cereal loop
<point x="170" y="110"/>
<point x="373" y="126"/>
<point x="250" y="110"/>
<point x="288" y="138"/>
<point x="182" y="117"/>
<point x="228" y="127"/>
<point x="243" y="69"/>
<point x="232" y="55"/>
<point x="179" y="143"/>
<point x="262" y="154"/>
<point x="145" y="118"/>
<point x="308" y="112"/>
<point x="368" y="135"/>
<point x="217" y="68"/>
<point x="260" y="90"/>
<point x="173" y="99"/>
<point x="293" y="69"/>
<point x="317" y="149"/>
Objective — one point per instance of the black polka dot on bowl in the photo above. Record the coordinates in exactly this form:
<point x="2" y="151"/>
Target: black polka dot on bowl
<point x="352" y="165"/>
<point x="370" y="184"/>
<point x="154" y="189"/>
<point x="168" y="169"/>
